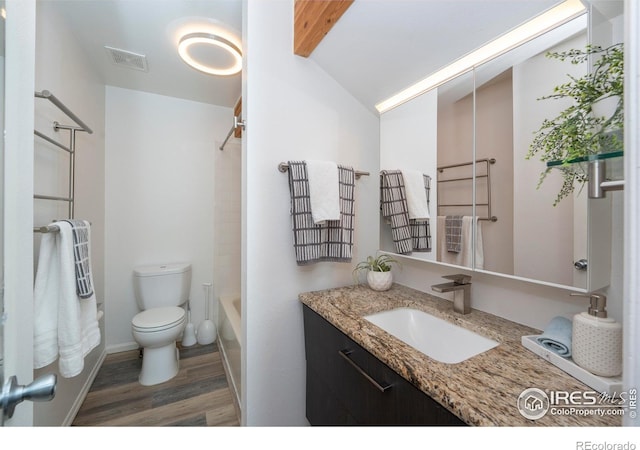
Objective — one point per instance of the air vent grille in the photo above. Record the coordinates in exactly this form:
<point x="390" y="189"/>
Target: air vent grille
<point x="127" y="59"/>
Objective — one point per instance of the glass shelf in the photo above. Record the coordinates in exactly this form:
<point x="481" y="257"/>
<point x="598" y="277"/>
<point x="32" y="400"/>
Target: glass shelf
<point x="588" y="158"/>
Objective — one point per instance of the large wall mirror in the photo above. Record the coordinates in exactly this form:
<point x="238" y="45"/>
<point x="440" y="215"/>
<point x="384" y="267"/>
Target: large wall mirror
<point x="471" y="136"/>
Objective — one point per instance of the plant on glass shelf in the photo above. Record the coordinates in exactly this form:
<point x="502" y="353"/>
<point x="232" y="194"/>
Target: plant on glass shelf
<point x="592" y="124"/>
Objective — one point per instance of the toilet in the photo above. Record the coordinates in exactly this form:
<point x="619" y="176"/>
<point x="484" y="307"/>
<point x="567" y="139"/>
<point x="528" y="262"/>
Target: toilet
<point x="160" y="290"/>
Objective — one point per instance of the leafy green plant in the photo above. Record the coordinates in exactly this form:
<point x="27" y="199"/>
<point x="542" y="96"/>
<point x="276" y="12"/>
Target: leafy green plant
<point x="577" y="132"/>
<point x="382" y="263"/>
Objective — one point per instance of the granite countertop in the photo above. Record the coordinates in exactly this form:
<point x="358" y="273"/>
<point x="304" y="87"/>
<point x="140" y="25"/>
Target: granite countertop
<point x="482" y="390"/>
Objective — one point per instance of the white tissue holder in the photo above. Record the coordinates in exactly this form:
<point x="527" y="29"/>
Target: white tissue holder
<point x="608" y="385"/>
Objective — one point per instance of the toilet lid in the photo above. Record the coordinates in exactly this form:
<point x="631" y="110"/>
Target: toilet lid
<point x="158" y="318"/>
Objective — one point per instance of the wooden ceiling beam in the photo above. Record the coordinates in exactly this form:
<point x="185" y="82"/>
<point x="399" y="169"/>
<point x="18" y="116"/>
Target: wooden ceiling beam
<point x="312" y="21"/>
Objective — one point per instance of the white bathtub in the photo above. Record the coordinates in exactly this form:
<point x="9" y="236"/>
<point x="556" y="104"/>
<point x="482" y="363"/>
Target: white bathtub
<point x="230" y="340"/>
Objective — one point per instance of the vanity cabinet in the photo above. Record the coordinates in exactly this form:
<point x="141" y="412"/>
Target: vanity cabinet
<point x="347" y="385"/>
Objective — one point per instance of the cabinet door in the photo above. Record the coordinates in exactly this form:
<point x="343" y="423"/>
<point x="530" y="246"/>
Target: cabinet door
<point x="348" y="385"/>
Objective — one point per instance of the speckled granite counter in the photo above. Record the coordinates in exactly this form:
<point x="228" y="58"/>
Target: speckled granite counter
<point x="482" y="390"/>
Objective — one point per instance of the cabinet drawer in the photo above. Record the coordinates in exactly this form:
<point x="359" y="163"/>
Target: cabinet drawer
<point x="361" y="387"/>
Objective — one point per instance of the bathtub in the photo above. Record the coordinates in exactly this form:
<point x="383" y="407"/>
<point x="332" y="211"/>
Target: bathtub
<point x="230" y="341"/>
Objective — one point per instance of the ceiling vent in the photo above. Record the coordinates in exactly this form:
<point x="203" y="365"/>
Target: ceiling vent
<point x="127" y="59"/>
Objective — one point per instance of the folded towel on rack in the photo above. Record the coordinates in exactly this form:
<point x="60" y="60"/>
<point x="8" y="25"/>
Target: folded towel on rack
<point x="557" y="336"/>
<point x="469" y="248"/>
<point x="417" y="203"/>
<point x="328" y="241"/>
<point x="80" y="231"/>
<point x="453" y="233"/>
<point x="65" y="326"/>
<point x="323" y="190"/>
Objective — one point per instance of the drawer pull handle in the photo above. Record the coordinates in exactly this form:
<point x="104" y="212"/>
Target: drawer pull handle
<point x="345" y="354"/>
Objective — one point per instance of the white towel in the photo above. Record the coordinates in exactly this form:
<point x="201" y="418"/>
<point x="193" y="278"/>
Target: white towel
<point x="465" y="256"/>
<point x="65" y="326"/>
<point x="416" y="194"/>
<point x="323" y="190"/>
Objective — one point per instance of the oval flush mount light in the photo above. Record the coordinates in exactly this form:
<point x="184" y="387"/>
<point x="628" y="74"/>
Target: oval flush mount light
<point x="210" y="54"/>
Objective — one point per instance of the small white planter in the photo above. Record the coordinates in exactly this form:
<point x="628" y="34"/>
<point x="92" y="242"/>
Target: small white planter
<point x="379" y="281"/>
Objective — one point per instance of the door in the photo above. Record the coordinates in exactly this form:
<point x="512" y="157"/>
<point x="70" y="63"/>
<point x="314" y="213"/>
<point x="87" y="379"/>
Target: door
<point x="16" y="215"/>
<point x="2" y="312"/>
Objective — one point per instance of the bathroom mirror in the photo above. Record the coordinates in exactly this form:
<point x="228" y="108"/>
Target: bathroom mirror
<point x="489" y="115"/>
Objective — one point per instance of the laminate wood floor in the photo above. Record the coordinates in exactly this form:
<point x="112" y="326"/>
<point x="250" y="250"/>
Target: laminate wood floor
<point x="198" y="396"/>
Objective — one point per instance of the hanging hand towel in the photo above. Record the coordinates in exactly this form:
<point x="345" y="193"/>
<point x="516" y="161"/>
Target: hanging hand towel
<point x="453" y="233"/>
<point x="65" y="326"/>
<point x="332" y="240"/>
<point x="393" y="204"/>
<point x="80" y="230"/>
<point x="470" y="248"/>
<point x="323" y="190"/>
<point x="45" y="296"/>
<point x="414" y="185"/>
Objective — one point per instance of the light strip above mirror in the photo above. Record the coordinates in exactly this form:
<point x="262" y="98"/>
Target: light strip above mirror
<point x="540" y="24"/>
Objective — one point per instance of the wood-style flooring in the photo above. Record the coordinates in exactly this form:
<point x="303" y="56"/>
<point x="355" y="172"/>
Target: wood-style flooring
<point x="198" y="396"/>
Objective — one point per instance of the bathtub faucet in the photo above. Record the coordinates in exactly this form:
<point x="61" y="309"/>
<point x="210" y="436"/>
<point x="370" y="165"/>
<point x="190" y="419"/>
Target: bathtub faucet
<point x="461" y="288"/>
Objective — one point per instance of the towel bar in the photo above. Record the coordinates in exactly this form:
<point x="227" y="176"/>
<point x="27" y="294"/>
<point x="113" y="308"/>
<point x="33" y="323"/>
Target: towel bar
<point x="283" y="167"/>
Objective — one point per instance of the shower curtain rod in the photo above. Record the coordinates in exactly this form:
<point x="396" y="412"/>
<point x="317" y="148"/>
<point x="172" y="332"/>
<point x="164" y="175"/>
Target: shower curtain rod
<point x="236" y="123"/>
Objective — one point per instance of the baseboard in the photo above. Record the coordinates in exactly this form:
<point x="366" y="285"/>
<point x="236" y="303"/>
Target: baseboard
<point x="84" y="391"/>
<point x="122" y="347"/>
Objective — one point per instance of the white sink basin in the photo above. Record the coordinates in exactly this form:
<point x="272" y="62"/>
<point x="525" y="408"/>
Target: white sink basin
<point x="436" y="338"/>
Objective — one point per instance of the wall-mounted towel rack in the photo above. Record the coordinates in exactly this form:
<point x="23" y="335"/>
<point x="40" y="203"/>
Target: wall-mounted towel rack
<point x="487" y="162"/>
<point x="71" y="149"/>
<point x="237" y="123"/>
<point x="283" y="167"/>
<point x="46" y="229"/>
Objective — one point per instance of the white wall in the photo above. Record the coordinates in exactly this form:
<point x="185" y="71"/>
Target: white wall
<point x="61" y="68"/>
<point x="293" y="110"/>
<point x="160" y="170"/>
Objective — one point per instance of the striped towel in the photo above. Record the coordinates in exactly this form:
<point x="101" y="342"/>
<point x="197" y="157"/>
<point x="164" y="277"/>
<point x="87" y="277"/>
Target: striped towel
<point x="328" y="241"/>
<point x="453" y="233"/>
<point x="81" y="234"/>
<point x="420" y="229"/>
<point x="408" y="234"/>
<point x="393" y="203"/>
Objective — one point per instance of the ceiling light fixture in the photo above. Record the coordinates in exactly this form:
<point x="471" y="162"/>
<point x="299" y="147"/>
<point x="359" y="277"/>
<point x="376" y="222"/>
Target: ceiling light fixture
<point x="557" y="15"/>
<point x="195" y="42"/>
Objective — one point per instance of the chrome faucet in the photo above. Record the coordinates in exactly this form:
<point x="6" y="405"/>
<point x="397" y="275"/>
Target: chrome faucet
<point x="461" y="288"/>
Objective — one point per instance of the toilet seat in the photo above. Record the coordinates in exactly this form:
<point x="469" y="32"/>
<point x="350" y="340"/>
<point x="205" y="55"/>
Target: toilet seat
<point x="158" y="319"/>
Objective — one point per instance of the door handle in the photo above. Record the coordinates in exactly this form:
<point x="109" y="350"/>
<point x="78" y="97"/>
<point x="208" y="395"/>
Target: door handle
<point x="581" y="264"/>
<point x="345" y="354"/>
<point x="42" y="389"/>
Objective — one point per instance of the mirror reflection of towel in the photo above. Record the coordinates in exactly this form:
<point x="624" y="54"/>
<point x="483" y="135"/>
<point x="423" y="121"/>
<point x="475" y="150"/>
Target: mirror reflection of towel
<point x="466" y="255"/>
<point x="453" y="233"/>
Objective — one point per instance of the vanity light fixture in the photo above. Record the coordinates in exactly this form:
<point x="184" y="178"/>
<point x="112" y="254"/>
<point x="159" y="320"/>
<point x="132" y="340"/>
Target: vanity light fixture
<point x="188" y="42"/>
<point x="540" y="24"/>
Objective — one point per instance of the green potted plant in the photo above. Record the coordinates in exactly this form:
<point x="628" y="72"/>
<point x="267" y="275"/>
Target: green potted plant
<point x="582" y="130"/>
<point x="378" y="270"/>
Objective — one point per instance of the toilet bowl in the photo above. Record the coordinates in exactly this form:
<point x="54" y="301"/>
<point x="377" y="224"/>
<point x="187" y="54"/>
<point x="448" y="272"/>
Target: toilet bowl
<point x="160" y="291"/>
<point x="156" y="331"/>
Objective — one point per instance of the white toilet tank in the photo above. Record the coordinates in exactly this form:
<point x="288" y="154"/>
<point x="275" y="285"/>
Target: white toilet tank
<point x="162" y="285"/>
